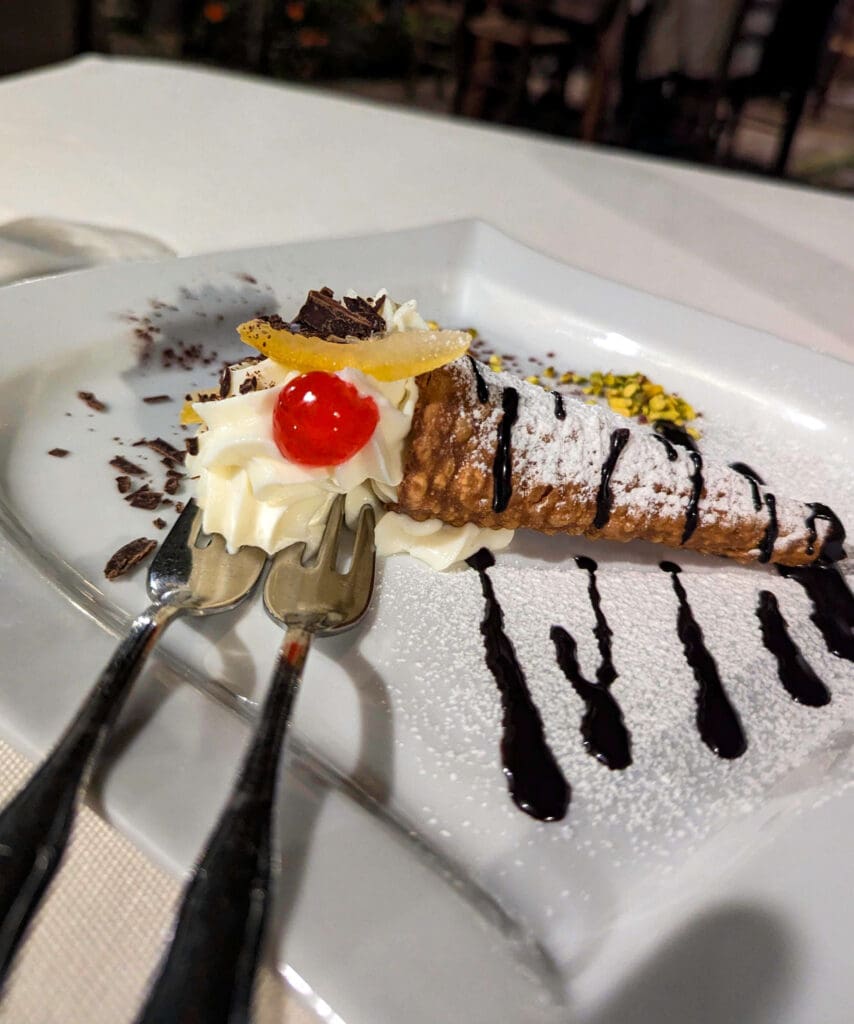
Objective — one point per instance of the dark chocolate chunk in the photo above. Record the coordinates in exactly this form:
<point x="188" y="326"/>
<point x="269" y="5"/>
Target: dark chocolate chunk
<point x="179" y="506"/>
<point x="363" y="307"/>
<point x="124" y="484"/>
<point x="159" y="523"/>
<point x="157" y="444"/>
<point x="144" y="498"/>
<point x="126" y="466"/>
<point x="224" y="382"/>
<point x="59" y="453"/>
<point x="173" y="483"/>
<point x="128" y="556"/>
<point x="323" y="316"/>
<point x="91" y="401"/>
<point x="279" y="324"/>
<point x="192" y="445"/>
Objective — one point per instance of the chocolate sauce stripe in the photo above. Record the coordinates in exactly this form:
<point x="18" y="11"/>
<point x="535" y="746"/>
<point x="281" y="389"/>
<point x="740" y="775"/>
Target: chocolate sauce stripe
<point x="832" y="603"/>
<point x="502" y="466"/>
<point x="754" y="479"/>
<point x="536" y="783"/>
<point x="692" y="511"/>
<point x="480" y="383"/>
<point x="604" y="497"/>
<point x="794" y="671"/>
<point x="717" y="720"/>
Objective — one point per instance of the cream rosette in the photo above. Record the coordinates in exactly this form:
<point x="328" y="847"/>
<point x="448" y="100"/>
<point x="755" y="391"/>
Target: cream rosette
<point x="251" y="494"/>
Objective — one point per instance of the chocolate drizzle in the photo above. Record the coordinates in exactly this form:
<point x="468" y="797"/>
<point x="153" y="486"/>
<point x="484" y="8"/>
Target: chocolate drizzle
<point x="604" y="498"/>
<point x="832" y="549"/>
<point x="672" y="454"/>
<point x="602" y="726"/>
<point x="769" y="538"/>
<point x="692" y="512"/>
<point x="832" y="602"/>
<point x="480" y="383"/>
<point x="560" y="411"/>
<point x="502" y="468"/>
<point x="675" y="434"/>
<point x="534" y="778"/>
<point x="669" y="434"/>
<point x="606" y="673"/>
<point x="755" y="480"/>
<point x="717" y="720"/>
<point x="796" y="675"/>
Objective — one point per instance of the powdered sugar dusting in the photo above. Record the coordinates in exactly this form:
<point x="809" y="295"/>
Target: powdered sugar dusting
<point x="676" y="794"/>
<point x="646" y="482"/>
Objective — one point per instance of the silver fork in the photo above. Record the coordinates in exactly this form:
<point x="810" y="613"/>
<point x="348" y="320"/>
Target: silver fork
<point x="208" y="970"/>
<point x="36" y="825"/>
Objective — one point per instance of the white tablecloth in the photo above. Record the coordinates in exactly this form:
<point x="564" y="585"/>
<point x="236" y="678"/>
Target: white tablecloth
<point x="206" y="161"/>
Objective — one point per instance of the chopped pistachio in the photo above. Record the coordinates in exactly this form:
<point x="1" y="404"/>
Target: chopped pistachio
<point x="549" y="372"/>
<point x="533" y="379"/>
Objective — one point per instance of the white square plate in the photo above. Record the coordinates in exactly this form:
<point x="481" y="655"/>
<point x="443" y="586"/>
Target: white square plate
<point x="414" y="889"/>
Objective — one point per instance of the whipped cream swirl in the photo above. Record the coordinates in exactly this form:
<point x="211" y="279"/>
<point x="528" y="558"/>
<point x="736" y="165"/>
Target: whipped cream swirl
<point x="251" y="494"/>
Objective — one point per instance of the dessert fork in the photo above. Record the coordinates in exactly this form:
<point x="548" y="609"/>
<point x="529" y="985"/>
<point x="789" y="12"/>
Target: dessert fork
<point x="185" y="577"/>
<point x="208" y="970"/>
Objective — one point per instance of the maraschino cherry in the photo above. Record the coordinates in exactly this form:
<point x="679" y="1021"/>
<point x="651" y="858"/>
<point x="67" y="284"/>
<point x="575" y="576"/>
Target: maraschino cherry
<point x="322" y="420"/>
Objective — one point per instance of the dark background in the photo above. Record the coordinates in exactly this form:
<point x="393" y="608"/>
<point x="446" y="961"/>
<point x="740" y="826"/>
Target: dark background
<point x="760" y="85"/>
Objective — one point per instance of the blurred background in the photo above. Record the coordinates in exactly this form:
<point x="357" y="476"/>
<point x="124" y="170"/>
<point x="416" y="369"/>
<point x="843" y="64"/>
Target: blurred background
<point x="765" y="86"/>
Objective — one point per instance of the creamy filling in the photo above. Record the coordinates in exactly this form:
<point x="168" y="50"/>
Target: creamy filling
<point x="251" y="494"/>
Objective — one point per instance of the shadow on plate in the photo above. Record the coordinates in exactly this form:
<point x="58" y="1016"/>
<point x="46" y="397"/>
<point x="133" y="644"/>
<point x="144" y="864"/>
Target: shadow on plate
<point x="734" y="964"/>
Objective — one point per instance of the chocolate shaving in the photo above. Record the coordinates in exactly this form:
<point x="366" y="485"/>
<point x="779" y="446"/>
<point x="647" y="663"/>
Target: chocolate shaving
<point x="224" y="382"/>
<point x="59" y="453"/>
<point x="128" y="556"/>
<point x="126" y="466"/>
<point x="156" y="399"/>
<point x="249" y="384"/>
<point x="278" y="324"/>
<point x="364" y="308"/>
<point x="144" y="498"/>
<point x="324" y="317"/>
<point x="179" y="506"/>
<point x="192" y="445"/>
<point x="91" y="401"/>
<point x="124" y="484"/>
<point x="159" y="523"/>
<point x="173" y="483"/>
<point x="157" y="444"/>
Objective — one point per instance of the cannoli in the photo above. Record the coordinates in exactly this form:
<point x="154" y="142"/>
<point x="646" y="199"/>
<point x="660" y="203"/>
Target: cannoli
<point x="490" y="449"/>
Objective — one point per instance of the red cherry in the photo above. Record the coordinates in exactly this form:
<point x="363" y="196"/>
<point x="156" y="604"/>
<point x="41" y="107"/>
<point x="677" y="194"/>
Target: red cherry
<point x="322" y="420"/>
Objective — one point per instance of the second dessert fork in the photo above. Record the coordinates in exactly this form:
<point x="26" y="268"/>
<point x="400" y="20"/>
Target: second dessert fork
<point x="208" y="971"/>
<point x="185" y="577"/>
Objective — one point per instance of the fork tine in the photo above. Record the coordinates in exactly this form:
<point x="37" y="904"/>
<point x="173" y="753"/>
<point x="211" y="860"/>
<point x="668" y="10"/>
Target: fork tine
<point x="327" y="552"/>
<point x="291" y="556"/>
<point x="360" y="576"/>
<point x="364" y="546"/>
<point x="183" y="534"/>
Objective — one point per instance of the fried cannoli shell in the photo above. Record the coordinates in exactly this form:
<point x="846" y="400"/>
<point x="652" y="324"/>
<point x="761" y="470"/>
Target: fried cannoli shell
<point x="556" y="475"/>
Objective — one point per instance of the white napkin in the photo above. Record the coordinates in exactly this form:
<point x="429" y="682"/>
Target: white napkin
<point x="39" y="246"/>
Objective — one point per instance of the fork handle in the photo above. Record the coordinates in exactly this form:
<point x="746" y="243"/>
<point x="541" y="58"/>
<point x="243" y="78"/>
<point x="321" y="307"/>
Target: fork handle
<point x="208" y="971"/>
<point x="35" y="826"/>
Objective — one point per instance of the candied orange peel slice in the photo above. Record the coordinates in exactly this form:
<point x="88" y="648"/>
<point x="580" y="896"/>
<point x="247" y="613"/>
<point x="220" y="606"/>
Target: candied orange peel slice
<point x="188" y="413"/>
<point x="385" y="357"/>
